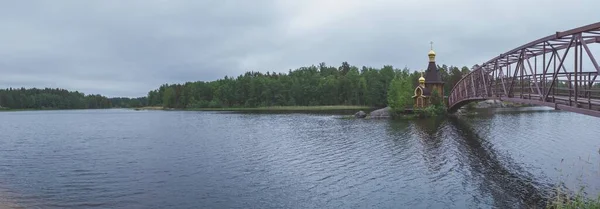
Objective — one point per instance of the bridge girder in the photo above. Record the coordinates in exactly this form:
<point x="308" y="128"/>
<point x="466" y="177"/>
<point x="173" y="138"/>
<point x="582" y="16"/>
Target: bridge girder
<point x="554" y="79"/>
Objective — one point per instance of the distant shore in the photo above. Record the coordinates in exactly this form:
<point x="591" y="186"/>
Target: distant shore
<point x="32" y="109"/>
<point x="270" y="108"/>
<point x="49" y="109"/>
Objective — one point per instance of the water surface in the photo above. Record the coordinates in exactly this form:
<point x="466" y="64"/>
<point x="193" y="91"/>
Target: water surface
<point x="172" y="159"/>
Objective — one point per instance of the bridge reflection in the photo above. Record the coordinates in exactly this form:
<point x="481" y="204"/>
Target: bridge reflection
<point x="508" y="184"/>
<point x="451" y="146"/>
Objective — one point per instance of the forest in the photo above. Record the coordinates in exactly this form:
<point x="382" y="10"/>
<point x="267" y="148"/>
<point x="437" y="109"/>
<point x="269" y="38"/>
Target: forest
<point x="61" y="99"/>
<point x="305" y="86"/>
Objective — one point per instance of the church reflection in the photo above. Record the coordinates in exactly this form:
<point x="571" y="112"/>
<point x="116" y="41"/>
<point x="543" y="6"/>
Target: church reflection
<point x="429" y="128"/>
<point x="430" y="137"/>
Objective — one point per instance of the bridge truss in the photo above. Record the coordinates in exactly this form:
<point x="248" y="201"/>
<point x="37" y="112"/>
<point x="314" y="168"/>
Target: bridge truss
<point x="558" y="71"/>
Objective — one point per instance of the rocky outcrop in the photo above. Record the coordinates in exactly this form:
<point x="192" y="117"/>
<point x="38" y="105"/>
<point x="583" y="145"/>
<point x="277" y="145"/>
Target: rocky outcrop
<point x="496" y="104"/>
<point x="360" y="114"/>
<point x="490" y="104"/>
<point x="381" y="113"/>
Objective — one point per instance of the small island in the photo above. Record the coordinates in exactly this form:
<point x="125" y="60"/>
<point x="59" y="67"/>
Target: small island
<point x="407" y="99"/>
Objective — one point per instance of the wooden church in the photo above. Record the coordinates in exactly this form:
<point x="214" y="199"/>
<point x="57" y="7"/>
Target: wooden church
<point x="432" y="81"/>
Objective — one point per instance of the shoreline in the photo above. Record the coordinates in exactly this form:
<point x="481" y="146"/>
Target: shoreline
<point x="241" y="109"/>
<point x="269" y="108"/>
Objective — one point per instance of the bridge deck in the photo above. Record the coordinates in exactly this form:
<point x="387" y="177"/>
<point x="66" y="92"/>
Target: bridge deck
<point x="582" y="105"/>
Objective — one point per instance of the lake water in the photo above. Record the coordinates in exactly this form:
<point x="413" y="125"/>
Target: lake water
<point x="175" y="159"/>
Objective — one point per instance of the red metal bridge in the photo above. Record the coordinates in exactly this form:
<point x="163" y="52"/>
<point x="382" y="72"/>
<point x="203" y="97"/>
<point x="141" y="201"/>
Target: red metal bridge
<point x="557" y="71"/>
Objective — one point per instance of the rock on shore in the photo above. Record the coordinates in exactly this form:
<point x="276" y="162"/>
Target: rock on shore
<point x="496" y="104"/>
<point x="381" y="113"/>
<point x="360" y="114"/>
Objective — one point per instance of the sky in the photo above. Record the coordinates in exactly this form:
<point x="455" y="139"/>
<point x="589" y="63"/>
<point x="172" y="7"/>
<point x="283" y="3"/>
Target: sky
<point x="126" y="48"/>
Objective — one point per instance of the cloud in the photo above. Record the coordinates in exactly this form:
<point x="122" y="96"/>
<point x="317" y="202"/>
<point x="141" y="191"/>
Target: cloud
<point x="126" y="48"/>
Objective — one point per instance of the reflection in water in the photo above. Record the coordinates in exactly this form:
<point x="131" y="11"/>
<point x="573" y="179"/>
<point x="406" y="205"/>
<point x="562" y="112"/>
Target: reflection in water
<point x="450" y="147"/>
<point x="429" y="127"/>
<point x="431" y="139"/>
<point x="509" y="189"/>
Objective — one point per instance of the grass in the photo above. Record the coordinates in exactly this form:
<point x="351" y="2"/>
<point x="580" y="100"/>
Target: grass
<point x="150" y="108"/>
<point x="567" y="200"/>
<point x="562" y="201"/>
<point x="272" y="108"/>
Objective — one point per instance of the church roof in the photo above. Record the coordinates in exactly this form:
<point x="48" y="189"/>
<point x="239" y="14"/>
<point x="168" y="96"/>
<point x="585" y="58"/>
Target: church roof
<point x="432" y="74"/>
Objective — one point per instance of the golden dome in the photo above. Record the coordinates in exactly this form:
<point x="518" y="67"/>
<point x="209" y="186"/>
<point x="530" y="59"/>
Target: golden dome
<point x="431" y="52"/>
<point x="421" y="79"/>
<point x="431" y="56"/>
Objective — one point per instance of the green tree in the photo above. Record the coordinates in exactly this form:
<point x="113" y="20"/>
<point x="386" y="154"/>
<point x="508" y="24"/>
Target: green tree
<point x="169" y="97"/>
<point x="435" y="98"/>
<point x="400" y="94"/>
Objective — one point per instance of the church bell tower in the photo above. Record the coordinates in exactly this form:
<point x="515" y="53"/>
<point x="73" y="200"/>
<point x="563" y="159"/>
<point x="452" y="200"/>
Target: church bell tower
<point x="433" y="79"/>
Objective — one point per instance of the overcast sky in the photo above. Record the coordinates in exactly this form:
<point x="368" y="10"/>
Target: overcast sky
<point x="128" y="47"/>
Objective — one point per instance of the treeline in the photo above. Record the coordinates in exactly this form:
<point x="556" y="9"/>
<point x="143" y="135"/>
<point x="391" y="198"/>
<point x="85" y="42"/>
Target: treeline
<point x="49" y="98"/>
<point x="125" y="102"/>
<point x="306" y="86"/>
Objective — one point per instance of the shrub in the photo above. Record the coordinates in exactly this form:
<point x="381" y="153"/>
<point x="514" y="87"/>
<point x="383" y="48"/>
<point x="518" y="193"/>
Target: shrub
<point x="400" y="94"/>
<point x="435" y="98"/>
<point x="198" y="104"/>
<point x="430" y="111"/>
<point x="578" y="202"/>
<point x="470" y="106"/>
<point x="215" y="104"/>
